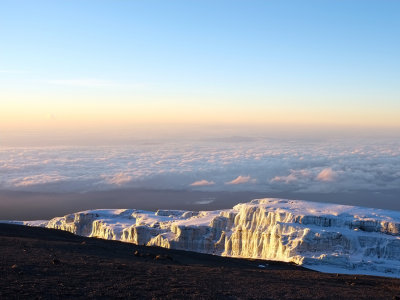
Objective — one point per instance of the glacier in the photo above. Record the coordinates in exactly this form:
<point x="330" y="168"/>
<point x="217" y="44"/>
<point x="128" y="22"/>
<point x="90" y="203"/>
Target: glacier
<point x="324" y="237"/>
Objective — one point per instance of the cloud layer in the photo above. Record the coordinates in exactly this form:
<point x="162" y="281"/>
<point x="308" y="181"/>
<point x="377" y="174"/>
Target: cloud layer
<point x="241" y="179"/>
<point x="257" y="165"/>
<point x="202" y="183"/>
<point x="326" y="174"/>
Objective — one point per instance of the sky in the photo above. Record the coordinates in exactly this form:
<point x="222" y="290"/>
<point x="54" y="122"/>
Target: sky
<point x="101" y="68"/>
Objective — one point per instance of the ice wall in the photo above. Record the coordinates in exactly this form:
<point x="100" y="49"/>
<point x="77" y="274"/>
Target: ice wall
<point x="325" y="237"/>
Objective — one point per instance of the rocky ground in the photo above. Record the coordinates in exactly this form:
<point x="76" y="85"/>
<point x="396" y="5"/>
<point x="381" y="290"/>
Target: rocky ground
<point x="51" y="264"/>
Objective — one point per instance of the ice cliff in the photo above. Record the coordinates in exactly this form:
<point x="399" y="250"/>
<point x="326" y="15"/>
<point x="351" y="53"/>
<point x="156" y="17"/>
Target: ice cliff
<point x="325" y="237"/>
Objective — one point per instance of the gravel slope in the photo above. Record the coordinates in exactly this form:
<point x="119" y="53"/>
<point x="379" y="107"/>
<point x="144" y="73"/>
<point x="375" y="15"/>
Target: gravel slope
<point x="51" y="264"/>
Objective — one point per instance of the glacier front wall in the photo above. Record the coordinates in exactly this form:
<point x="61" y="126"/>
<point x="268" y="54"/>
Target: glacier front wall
<point x="324" y="237"/>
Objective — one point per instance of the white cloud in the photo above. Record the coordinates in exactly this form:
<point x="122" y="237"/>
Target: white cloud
<point x="202" y="183"/>
<point x="118" y="179"/>
<point x="37" y="179"/>
<point x="295" y="175"/>
<point x="326" y="174"/>
<point x="84" y="82"/>
<point x="276" y="166"/>
<point x="13" y="71"/>
<point x="95" y="83"/>
<point x="241" y="179"/>
<point x="205" y="201"/>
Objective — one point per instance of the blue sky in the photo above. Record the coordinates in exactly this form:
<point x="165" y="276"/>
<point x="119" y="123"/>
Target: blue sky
<point x="336" y="60"/>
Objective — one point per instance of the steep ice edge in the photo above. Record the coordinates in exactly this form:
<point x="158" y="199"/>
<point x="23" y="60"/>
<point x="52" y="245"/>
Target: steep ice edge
<point x="324" y="237"/>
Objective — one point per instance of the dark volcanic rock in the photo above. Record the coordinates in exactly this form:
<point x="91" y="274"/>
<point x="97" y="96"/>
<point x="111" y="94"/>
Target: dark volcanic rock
<point x="109" y="269"/>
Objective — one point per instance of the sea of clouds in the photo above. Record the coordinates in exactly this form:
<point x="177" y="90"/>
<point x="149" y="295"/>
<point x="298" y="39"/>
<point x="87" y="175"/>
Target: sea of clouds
<point x="259" y="164"/>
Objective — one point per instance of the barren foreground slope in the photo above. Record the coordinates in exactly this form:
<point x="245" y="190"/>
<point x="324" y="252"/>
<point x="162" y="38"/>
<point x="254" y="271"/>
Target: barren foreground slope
<point x="46" y="263"/>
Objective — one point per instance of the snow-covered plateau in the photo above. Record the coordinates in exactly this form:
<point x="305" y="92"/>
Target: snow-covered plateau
<point x="320" y="236"/>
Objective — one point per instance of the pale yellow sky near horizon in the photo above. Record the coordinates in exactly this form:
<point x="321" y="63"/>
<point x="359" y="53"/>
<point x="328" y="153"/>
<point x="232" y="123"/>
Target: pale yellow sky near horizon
<point x="76" y="114"/>
<point x="41" y="115"/>
<point x="83" y="122"/>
